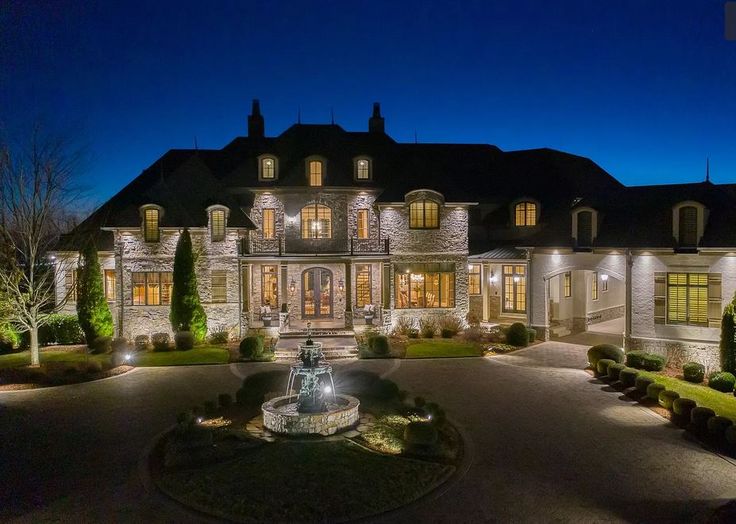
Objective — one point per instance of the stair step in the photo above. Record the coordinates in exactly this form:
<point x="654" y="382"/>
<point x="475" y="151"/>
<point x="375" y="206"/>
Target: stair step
<point x="316" y="333"/>
<point x="329" y="353"/>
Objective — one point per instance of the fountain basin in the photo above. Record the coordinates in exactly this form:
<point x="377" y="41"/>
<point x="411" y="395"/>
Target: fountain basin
<point x="281" y="416"/>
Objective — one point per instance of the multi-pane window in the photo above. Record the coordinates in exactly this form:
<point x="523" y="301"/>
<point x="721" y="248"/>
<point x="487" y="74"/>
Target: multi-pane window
<point x="152" y="288"/>
<point x="269" y="223"/>
<point x="421" y="286"/>
<point x="150" y="225"/>
<point x="70" y="285"/>
<point x="110" y="282"/>
<point x="315" y="173"/>
<point x="217" y="225"/>
<point x="525" y="214"/>
<point x="268" y="168"/>
<point x="219" y="286"/>
<point x="594" y="286"/>
<point x="474" y="279"/>
<point x="567" y="284"/>
<point x="316" y="221"/>
<point x="687" y="298"/>
<point x="362" y="220"/>
<point x="514" y="289"/>
<point x="604" y="283"/>
<point x="363" y="285"/>
<point x="424" y="214"/>
<point x="585" y="228"/>
<point x="362" y="169"/>
<point x="269" y="286"/>
<point x="688" y="226"/>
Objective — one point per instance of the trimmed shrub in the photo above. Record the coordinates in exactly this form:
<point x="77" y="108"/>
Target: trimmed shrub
<point x="101" y="345"/>
<point x="142" y="343"/>
<point x="614" y="371"/>
<point x="186" y="313"/>
<point x="532" y="334"/>
<point x="184" y="340"/>
<point x="59" y="329"/>
<point x="251" y="347"/>
<point x="722" y="381"/>
<point x="420" y="434"/>
<point x="727" y="344"/>
<point x="449" y="325"/>
<point x="627" y="377"/>
<point x="602" y="366"/>
<point x="683" y="406"/>
<point x="93" y="311"/>
<point x="378" y="344"/>
<point x="9" y="338"/>
<point x="224" y="400"/>
<point x="699" y="418"/>
<point x="473" y="319"/>
<point x="653" y="391"/>
<point x="652" y="362"/>
<point x="635" y="359"/>
<point x="667" y="398"/>
<point x="427" y="327"/>
<point x="219" y="336"/>
<point x="718" y="425"/>
<point x="642" y="383"/>
<point x="517" y="335"/>
<point x="160" y="341"/>
<point x="608" y="351"/>
<point x="730" y="434"/>
<point x="693" y="372"/>
<point x="119" y="344"/>
<point x="403" y="326"/>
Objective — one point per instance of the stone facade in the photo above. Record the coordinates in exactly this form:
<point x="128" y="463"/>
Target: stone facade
<point x="280" y="416"/>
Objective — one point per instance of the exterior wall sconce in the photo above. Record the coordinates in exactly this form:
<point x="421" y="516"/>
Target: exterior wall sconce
<point x="517" y="279"/>
<point x="292" y="287"/>
<point x="493" y="278"/>
<point x="604" y="277"/>
<point x="340" y="285"/>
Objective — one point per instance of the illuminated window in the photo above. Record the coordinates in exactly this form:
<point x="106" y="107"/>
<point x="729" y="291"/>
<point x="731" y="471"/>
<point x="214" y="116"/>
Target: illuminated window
<point x="594" y="286"/>
<point x="474" y="279"/>
<point x="315" y="173"/>
<point x="269" y="286"/>
<point x="425" y="286"/>
<point x="316" y="221"/>
<point x="687" y="298"/>
<point x="70" y="285"/>
<point x="269" y="223"/>
<point x="424" y="214"/>
<point x="110" y="282"/>
<point x="152" y="289"/>
<point x="268" y="168"/>
<point x="219" y="286"/>
<point x="604" y="283"/>
<point x="525" y="214"/>
<point x="217" y="225"/>
<point x="688" y="226"/>
<point x="362" y="169"/>
<point x="514" y="289"/>
<point x="363" y="223"/>
<point x="363" y="294"/>
<point x="150" y="225"/>
<point x="567" y="284"/>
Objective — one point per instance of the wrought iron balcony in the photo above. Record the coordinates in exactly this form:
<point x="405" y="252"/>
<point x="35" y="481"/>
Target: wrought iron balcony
<point x="373" y="246"/>
<point x="262" y="246"/>
<point x="278" y="246"/>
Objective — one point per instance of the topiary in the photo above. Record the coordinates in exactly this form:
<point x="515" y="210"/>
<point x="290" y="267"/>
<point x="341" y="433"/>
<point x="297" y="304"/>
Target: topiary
<point x="93" y="311"/>
<point x="693" y="372"/>
<point x="142" y="343"/>
<point x="101" y="345"/>
<point x="727" y="344"/>
<point x="699" y="418"/>
<point x="614" y="371"/>
<point x="608" y="351"/>
<point x="532" y="334"/>
<point x="602" y="366"/>
<point x="378" y="344"/>
<point x="251" y="347"/>
<point x="120" y="344"/>
<point x="642" y="383"/>
<point x="635" y="359"/>
<point x="186" y="313"/>
<point x="653" y="391"/>
<point x="667" y="397"/>
<point x="517" y="335"/>
<point x="718" y="425"/>
<point x="730" y="434"/>
<point x="420" y="434"/>
<point x="627" y="377"/>
<point x="652" y="362"/>
<point x="722" y="381"/>
<point x="184" y="340"/>
<point x="160" y="341"/>
<point x="683" y="406"/>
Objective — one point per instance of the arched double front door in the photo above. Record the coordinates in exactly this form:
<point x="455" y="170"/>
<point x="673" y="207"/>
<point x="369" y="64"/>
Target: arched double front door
<point x="317" y="293"/>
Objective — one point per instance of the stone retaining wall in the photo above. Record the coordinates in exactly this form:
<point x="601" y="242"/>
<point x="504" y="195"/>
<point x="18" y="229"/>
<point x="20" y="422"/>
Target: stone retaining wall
<point x="279" y="418"/>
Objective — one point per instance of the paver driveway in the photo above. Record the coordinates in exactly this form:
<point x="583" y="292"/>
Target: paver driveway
<point x="545" y="442"/>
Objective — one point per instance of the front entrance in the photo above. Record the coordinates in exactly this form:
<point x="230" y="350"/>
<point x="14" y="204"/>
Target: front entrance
<point x="317" y="293"/>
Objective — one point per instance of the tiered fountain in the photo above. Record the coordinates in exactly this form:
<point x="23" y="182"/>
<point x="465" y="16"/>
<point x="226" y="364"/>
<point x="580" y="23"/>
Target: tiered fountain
<point x="317" y="409"/>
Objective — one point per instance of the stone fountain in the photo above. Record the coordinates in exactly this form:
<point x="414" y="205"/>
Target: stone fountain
<point x="317" y="409"/>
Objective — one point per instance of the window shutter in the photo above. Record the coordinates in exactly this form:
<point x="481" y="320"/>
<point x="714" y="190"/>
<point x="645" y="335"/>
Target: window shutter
<point x="660" y="291"/>
<point x="386" y="286"/>
<point x="715" y="299"/>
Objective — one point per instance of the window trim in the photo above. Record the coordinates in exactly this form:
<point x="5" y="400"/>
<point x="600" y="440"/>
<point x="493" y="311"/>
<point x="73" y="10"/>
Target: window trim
<point x="143" y="210"/>
<point x="473" y="276"/>
<point x="687" y="286"/>
<point x="316" y="206"/>
<point x="263" y="223"/>
<point x="366" y="213"/>
<point x="361" y="269"/>
<point x="308" y="172"/>
<point x="218" y="273"/>
<point x="567" y="284"/>
<point x="110" y="294"/>
<point x="701" y="217"/>
<point x="594" y="290"/>
<point x="358" y="159"/>
<point x="451" y="283"/>
<point x="261" y="159"/>
<point x="219" y="237"/>
<point x="525" y="202"/>
<point x="160" y="283"/>
<point x="515" y="287"/>
<point x="275" y="274"/>
<point x="423" y="202"/>
<point x="593" y="225"/>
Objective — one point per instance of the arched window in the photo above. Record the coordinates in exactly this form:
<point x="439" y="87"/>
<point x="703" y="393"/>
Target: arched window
<point x="525" y="214"/>
<point x="267" y="168"/>
<point x="362" y="169"/>
<point x="585" y="229"/>
<point x="688" y="226"/>
<point x="316" y="221"/>
<point x="424" y="214"/>
<point x="151" y="218"/>
<point x="315" y="173"/>
<point x="217" y="225"/>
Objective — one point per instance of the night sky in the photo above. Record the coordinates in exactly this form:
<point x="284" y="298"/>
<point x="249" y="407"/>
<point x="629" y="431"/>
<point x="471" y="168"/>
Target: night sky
<point x="645" y="88"/>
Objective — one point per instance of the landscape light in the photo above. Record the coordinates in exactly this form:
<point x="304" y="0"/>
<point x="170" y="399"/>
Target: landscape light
<point x="327" y="389"/>
<point x="128" y="356"/>
<point x="200" y="420"/>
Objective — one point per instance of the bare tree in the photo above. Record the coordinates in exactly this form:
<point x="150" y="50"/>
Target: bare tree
<point x="37" y="193"/>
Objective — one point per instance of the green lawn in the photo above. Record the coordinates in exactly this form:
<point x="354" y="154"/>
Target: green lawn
<point x="198" y="355"/>
<point x="723" y="404"/>
<point x="23" y="358"/>
<point x="441" y="347"/>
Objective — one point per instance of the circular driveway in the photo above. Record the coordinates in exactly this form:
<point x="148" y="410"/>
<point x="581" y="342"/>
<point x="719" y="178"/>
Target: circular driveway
<point x="544" y="442"/>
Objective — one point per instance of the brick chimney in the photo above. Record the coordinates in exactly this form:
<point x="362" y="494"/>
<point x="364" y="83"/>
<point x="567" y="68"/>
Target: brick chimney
<point x="375" y="122"/>
<point x="256" y="125"/>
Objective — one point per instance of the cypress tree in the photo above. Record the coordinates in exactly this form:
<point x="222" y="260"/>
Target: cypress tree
<point x="187" y="313"/>
<point x="93" y="312"/>
<point x="728" y="337"/>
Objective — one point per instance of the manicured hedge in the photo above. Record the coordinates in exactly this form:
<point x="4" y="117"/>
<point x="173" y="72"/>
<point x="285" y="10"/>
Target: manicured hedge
<point x="693" y="372"/>
<point x="517" y="335"/>
<point x="722" y="381"/>
<point x="627" y="376"/>
<point x="652" y="362"/>
<point x="718" y="425"/>
<point x="667" y="398"/>
<point x="420" y="434"/>
<point x="653" y="391"/>
<point x="642" y="383"/>
<point x="699" y="418"/>
<point x="635" y="359"/>
<point x="251" y="347"/>
<point x="683" y="406"/>
<point x="601" y="351"/>
<point x="731" y="435"/>
<point x="379" y="345"/>
<point x="160" y="341"/>
<point x="602" y="366"/>
<point x="184" y="340"/>
<point x="614" y="371"/>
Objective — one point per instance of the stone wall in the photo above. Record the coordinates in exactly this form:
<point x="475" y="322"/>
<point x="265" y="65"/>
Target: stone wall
<point x="450" y="237"/>
<point x="680" y="351"/>
<point x="280" y="416"/>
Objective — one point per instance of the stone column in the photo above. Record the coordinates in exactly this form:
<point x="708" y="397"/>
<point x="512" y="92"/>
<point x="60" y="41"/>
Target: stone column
<point x="627" y="308"/>
<point x="348" y="294"/>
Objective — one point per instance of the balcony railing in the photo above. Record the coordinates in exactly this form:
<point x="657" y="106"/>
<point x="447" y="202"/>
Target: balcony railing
<point x="278" y="246"/>
<point x="364" y="246"/>
<point x="262" y="246"/>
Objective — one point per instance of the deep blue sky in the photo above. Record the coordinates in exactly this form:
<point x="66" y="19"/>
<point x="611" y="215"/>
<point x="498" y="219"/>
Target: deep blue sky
<point x="645" y="88"/>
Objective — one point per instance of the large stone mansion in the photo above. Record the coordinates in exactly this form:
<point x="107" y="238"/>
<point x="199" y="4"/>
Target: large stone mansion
<point x="321" y="224"/>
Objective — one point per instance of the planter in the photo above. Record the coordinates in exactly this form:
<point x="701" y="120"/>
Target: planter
<point x="369" y="320"/>
<point x="266" y="321"/>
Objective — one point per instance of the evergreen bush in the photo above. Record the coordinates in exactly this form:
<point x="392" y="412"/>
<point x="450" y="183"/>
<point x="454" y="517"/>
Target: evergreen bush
<point x="532" y="334"/>
<point x="642" y="383"/>
<point x="693" y="372"/>
<point x="652" y="362"/>
<point x="142" y="343"/>
<point x="251" y="347"/>
<point x="184" y="340"/>
<point x="718" y="425"/>
<point x="101" y="345"/>
<point x="119" y="344"/>
<point x="722" y="381"/>
<point x="93" y="312"/>
<point x="683" y="406"/>
<point x="517" y="335"/>
<point x="699" y="418"/>
<point x="727" y="344"/>
<point x="667" y="398"/>
<point x="730" y="435"/>
<point x="378" y="344"/>
<point x="160" y="341"/>
<point x="602" y="366"/>
<point x="608" y="351"/>
<point x="635" y="359"/>
<point x="9" y="338"/>
<point x="614" y="371"/>
<point x="653" y="391"/>
<point x="627" y="377"/>
<point x="187" y="313"/>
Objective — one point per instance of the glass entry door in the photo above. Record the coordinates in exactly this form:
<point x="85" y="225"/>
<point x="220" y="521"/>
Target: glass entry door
<point x="317" y="293"/>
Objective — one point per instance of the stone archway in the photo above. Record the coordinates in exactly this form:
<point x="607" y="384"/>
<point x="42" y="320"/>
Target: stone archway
<point x="317" y="293"/>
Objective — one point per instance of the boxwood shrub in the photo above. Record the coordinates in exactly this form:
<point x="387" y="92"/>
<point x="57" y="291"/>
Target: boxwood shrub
<point x="420" y="434"/>
<point x="602" y="366"/>
<point x="635" y="359"/>
<point x="142" y="343"/>
<point x="667" y="398"/>
<point x="532" y="334"/>
<point x="693" y="372"/>
<point x="683" y="406"/>
<point x="160" y="341"/>
<point x="627" y="376"/>
<point x="699" y="418"/>
<point x="614" y="371"/>
<point x="517" y="335"/>
<point x="652" y="362"/>
<point x="184" y="340"/>
<point x="731" y="435"/>
<point x="378" y="344"/>
<point x="653" y="391"/>
<point x="642" y="383"/>
<point x="722" y="381"/>
<point x="251" y="347"/>
<point x="608" y="351"/>
<point x="718" y="425"/>
<point x="101" y="345"/>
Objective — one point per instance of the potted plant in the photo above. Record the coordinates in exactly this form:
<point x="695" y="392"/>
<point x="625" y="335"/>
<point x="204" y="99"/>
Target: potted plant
<point x="266" y="315"/>
<point x="369" y="313"/>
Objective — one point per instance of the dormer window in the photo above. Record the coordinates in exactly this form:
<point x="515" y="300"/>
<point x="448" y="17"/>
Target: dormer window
<point x="584" y="226"/>
<point x="424" y="214"/>
<point x="151" y="218"/>
<point x="315" y="173"/>
<point x="217" y="225"/>
<point x="525" y="214"/>
<point x="362" y="169"/>
<point x="688" y="223"/>
<point x="267" y="167"/>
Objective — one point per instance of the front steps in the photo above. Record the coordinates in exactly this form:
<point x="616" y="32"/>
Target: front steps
<point x="336" y="344"/>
